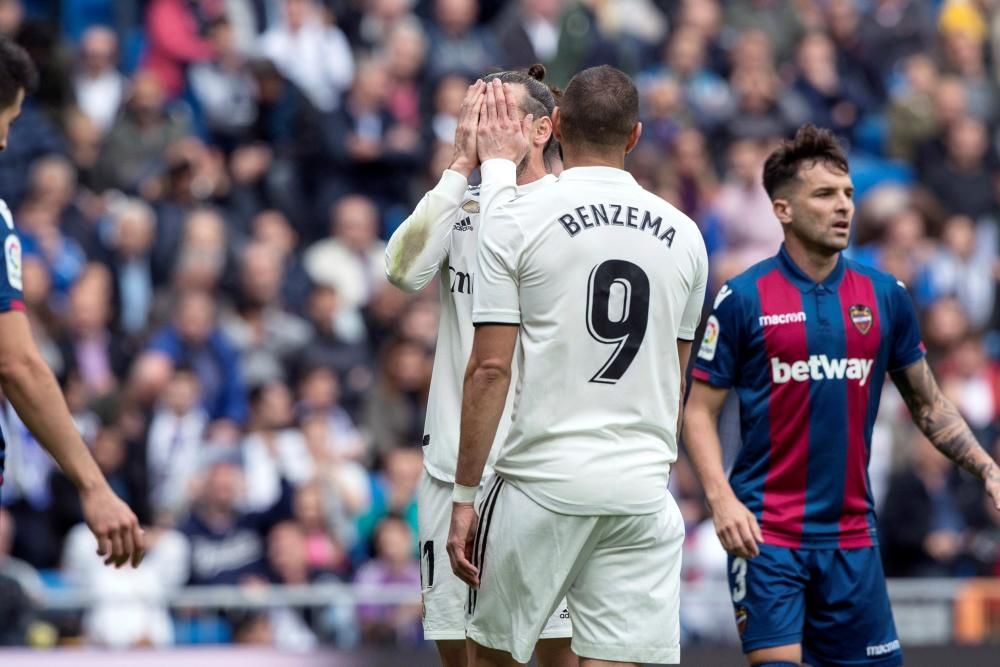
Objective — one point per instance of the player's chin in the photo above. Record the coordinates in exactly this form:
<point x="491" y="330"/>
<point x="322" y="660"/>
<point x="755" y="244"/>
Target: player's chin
<point x="837" y="239"/>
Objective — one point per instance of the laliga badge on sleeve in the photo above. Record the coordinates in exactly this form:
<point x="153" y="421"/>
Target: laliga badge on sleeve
<point x="711" y="339"/>
<point x="12" y="255"/>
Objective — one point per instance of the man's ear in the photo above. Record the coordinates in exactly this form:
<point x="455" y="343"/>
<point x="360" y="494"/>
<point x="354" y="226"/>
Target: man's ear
<point x="782" y="210"/>
<point x="633" y="137"/>
<point x="556" y="124"/>
<point x="543" y="131"/>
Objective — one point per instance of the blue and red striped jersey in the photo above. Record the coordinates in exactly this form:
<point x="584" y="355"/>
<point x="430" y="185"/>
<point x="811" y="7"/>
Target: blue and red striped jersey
<point x="808" y="361"/>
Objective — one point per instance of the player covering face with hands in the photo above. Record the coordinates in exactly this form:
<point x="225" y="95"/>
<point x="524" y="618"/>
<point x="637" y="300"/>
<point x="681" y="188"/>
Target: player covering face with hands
<point x="25" y="378"/>
<point x="579" y="506"/>
<point x="439" y="239"/>
<point x="806" y="339"/>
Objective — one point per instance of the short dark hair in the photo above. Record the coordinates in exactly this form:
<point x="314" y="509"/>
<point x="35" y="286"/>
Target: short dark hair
<point x="17" y="72"/>
<point x="599" y="108"/>
<point x="810" y="145"/>
<point x="541" y="99"/>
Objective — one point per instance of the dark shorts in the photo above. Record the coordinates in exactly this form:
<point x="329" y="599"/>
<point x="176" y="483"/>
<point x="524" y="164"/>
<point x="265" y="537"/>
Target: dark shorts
<point x="832" y="601"/>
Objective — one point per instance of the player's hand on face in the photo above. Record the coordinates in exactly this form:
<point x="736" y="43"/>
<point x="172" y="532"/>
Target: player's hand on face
<point x="460" y="539"/>
<point x="466" y="156"/>
<point x="119" y="537"/>
<point x="736" y="527"/>
<point x="502" y="133"/>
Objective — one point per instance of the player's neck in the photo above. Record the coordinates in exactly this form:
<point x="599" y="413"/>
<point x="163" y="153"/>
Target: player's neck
<point x="532" y="172"/>
<point x="573" y="158"/>
<point x="816" y="264"/>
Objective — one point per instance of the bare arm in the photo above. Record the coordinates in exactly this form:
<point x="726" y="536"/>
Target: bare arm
<point x="940" y="421"/>
<point x="33" y="391"/>
<point x="735" y="525"/>
<point x="484" y="394"/>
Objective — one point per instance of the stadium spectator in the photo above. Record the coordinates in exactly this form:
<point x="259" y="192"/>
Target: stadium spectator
<point x="457" y="43"/>
<point x="775" y="18"/>
<point x="41" y="235"/>
<point x="311" y="52"/>
<point x="339" y="344"/>
<point x="393" y="492"/>
<point x="350" y="260"/>
<point x="194" y="340"/>
<point x="129" y="608"/>
<point x="228" y="546"/>
<point x="962" y="183"/>
<point x="53" y="182"/>
<point x="319" y="398"/>
<point x="175" y="40"/>
<point x="99" y="86"/>
<point x="743" y="210"/>
<point x="274" y="450"/>
<point x="396" y="407"/>
<point x="911" y="115"/>
<point x="528" y="31"/>
<point x="760" y="110"/>
<point x="129" y="231"/>
<point x="134" y="145"/>
<point x="963" y="265"/>
<point x="271" y="228"/>
<point x="950" y="106"/>
<point x="174" y="446"/>
<point x="834" y="101"/>
<point x="706" y="93"/>
<point x="366" y="150"/>
<point x="22" y="589"/>
<point x="222" y="88"/>
<point x="99" y="358"/>
<point x="405" y="55"/>
<point x="963" y="37"/>
<point x="268" y="337"/>
<point x="922" y="522"/>
<point x="393" y="564"/>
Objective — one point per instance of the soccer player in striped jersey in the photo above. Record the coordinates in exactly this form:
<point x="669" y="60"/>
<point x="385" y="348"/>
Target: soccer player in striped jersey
<point x="440" y="238"/>
<point x="806" y="339"/>
<point x="28" y="382"/>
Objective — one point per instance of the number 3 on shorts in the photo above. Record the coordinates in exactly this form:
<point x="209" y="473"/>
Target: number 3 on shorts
<point x="739" y="571"/>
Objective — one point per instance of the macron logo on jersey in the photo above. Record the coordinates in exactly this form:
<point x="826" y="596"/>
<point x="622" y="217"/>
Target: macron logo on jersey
<point x="783" y="318"/>
<point x="820" y="367"/>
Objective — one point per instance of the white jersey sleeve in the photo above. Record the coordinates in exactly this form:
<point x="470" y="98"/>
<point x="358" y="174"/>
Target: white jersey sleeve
<point x="691" y="317"/>
<point x="419" y="246"/>
<point x="500" y="241"/>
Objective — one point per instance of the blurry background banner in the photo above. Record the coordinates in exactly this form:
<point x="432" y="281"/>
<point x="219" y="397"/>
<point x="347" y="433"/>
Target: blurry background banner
<point x="204" y="189"/>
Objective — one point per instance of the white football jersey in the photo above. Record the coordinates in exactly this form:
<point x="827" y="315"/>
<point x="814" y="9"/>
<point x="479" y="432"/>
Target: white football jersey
<point x="603" y="278"/>
<point x="441" y="236"/>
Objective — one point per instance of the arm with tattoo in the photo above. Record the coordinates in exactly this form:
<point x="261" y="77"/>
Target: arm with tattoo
<point x="939" y="420"/>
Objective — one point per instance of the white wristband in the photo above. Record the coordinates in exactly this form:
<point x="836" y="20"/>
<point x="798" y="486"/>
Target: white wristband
<point x="464" y="494"/>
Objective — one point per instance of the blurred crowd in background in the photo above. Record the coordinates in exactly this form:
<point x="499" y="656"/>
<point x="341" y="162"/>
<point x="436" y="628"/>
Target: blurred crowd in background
<point x="204" y="189"/>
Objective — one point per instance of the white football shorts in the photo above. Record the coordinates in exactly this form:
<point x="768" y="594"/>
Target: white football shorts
<point x="446" y="597"/>
<point x="619" y="576"/>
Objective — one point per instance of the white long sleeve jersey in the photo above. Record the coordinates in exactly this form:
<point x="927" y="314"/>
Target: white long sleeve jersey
<point x="441" y="236"/>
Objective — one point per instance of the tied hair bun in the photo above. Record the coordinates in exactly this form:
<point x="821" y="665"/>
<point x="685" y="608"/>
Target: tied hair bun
<point x="537" y="72"/>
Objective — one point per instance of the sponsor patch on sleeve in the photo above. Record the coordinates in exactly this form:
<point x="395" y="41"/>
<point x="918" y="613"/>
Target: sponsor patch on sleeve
<point x="710" y="341"/>
<point x="12" y="255"/>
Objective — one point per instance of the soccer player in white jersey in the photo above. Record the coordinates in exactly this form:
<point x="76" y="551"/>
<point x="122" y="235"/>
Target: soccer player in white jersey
<point x="440" y="237"/>
<point x="601" y="283"/>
